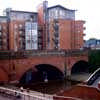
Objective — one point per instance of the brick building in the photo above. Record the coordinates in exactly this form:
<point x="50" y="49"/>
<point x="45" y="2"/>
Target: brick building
<point x="61" y="30"/>
<point x="50" y="28"/>
<point x="4" y="33"/>
<point x="21" y="30"/>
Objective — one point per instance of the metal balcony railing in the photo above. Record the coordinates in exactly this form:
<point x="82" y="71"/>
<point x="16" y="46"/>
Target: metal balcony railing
<point x="40" y="28"/>
<point x="21" y="28"/>
<point x="22" y="35"/>
<point x="24" y="94"/>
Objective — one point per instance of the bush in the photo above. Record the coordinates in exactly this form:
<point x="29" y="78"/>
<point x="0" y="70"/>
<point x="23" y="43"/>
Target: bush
<point x="94" y="60"/>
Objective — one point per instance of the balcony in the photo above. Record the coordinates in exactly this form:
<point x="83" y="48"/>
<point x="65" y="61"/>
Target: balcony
<point x="39" y="40"/>
<point x="56" y="41"/>
<point x="39" y="35"/>
<point x="40" y="28"/>
<point x="84" y="34"/>
<point x="40" y="45"/>
<point x="84" y="28"/>
<point x="22" y="35"/>
<point x="56" y="27"/>
<point x="22" y="29"/>
<point x="56" y="34"/>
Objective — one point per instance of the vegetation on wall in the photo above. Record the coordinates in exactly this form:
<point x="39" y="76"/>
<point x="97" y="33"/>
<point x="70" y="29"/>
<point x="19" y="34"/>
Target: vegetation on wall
<point x="94" y="60"/>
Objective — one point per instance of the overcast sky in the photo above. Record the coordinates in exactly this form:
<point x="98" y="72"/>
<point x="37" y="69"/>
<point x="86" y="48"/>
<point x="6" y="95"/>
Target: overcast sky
<point x="88" y="10"/>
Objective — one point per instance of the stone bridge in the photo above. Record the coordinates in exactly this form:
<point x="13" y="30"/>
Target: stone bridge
<point x="26" y="66"/>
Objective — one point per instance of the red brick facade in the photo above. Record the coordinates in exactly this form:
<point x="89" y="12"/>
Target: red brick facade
<point x="69" y="36"/>
<point x="14" y="41"/>
<point x="4" y="36"/>
<point x="13" y="69"/>
<point x="71" y="32"/>
<point x="12" y="29"/>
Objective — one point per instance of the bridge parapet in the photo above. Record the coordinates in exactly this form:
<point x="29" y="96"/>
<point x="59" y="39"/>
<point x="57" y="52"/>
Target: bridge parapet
<point x="25" y="54"/>
<point x="76" y="52"/>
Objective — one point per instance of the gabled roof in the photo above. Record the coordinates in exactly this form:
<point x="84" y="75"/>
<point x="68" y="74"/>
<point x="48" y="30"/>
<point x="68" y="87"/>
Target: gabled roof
<point x="60" y="7"/>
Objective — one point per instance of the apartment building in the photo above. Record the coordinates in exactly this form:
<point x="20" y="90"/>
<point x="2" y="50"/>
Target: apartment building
<point x="21" y="29"/>
<point x="4" y="33"/>
<point x="47" y="29"/>
<point x="62" y="30"/>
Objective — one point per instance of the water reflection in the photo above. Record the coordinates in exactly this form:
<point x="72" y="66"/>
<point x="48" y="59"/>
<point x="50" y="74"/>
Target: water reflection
<point x="51" y="87"/>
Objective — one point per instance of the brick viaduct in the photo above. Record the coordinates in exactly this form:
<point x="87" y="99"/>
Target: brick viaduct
<point x="13" y="65"/>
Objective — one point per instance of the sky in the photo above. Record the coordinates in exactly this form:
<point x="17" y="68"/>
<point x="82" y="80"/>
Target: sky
<point x="87" y="10"/>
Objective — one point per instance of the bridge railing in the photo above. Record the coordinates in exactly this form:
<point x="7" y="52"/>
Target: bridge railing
<point x="65" y="98"/>
<point x="28" y="53"/>
<point x="14" y="94"/>
<point x="10" y="93"/>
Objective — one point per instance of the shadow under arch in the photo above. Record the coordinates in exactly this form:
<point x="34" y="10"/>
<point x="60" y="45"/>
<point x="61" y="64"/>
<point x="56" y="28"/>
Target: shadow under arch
<point x="42" y="72"/>
<point x="80" y="67"/>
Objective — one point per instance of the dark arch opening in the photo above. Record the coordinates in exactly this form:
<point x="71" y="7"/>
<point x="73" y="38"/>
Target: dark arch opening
<point x="43" y="72"/>
<point x="80" y="67"/>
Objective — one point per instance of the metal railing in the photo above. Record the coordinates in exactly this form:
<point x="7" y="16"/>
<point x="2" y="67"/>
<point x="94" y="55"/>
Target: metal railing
<point x="25" y="95"/>
<point x="31" y="95"/>
<point x="65" y="98"/>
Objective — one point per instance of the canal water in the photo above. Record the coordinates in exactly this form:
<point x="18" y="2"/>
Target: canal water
<point x="51" y="87"/>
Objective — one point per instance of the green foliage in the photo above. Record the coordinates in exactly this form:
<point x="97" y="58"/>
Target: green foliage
<point x="94" y="60"/>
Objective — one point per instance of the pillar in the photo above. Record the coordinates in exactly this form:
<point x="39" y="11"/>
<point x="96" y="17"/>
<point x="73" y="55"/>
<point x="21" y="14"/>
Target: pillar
<point x="68" y="74"/>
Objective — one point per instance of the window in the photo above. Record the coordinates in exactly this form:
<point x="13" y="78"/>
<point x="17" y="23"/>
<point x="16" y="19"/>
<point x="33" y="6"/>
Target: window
<point x="56" y="13"/>
<point x="62" y="13"/>
<point x="34" y="26"/>
<point x="31" y="35"/>
<point x="28" y="41"/>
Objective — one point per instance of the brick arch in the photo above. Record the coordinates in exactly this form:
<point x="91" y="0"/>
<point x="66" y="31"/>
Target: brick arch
<point x="80" y="66"/>
<point x="74" y="59"/>
<point x="59" y="67"/>
<point x="37" y="68"/>
<point x="71" y="60"/>
<point x="33" y="67"/>
<point x="22" y="65"/>
<point x="52" y="65"/>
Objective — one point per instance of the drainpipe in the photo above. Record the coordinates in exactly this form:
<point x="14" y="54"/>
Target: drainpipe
<point x="68" y="65"/>
<point x="65" y="66"/>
